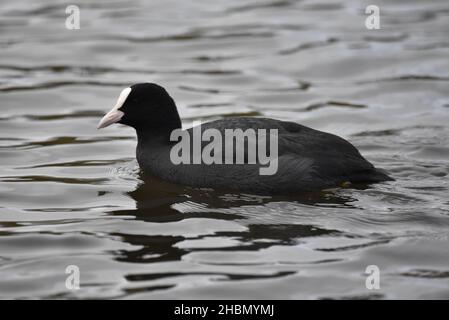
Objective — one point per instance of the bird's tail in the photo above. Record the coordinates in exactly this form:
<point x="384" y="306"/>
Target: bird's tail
<point x="380" y="175"/>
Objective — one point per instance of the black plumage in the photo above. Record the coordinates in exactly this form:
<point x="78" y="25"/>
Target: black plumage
<point x="308" y="159"/>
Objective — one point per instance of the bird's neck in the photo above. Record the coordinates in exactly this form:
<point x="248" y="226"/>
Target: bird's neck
<point x="153" y="148"/>
<point x="155" y="136"/>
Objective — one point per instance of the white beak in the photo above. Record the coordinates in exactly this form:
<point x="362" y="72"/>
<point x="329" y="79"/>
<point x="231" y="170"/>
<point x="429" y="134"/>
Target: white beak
<point x="111" y="117"/>
<point x="115" y="114"/>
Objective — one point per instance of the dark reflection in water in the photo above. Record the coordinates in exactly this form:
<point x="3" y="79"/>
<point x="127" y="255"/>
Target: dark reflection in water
<point x="154" y="203"/>
<point x="155" y="248"/>
<point x="154" y="200"/>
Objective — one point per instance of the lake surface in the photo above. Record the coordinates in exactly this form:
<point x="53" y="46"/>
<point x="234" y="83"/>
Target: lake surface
<point x="72" y="195"/>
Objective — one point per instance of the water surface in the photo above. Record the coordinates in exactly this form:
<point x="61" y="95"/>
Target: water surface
<point x="70" y="195"/>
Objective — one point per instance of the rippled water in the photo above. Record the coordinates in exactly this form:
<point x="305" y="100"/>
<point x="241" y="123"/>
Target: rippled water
<point x="70" y="195"/>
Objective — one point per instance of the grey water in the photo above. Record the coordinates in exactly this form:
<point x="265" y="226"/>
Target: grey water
<point x="70" y="195"/>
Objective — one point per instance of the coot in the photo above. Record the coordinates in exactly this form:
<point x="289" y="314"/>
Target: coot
<point x="305" y="159"/>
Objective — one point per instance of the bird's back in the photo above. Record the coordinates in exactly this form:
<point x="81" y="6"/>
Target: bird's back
<point x="307" y="160"/>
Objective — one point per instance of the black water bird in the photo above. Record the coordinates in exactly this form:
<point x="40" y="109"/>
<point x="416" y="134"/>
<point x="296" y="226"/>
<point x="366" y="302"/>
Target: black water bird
<point x="307" y="159"/>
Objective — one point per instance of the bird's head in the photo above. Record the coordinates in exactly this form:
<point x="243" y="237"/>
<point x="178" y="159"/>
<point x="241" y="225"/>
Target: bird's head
<point x="143" y="106"/>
